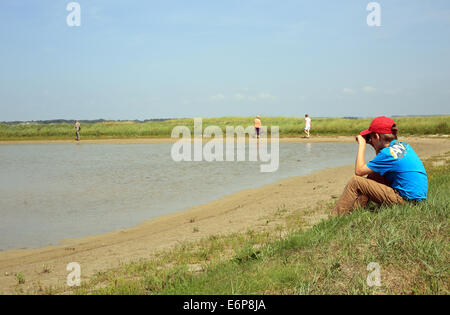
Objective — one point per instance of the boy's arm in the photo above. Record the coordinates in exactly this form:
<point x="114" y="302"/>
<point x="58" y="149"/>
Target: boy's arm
<point x="361" y="168"/>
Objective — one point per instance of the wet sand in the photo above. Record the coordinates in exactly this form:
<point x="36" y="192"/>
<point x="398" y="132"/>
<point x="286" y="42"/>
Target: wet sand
<point x="234" y="213"/>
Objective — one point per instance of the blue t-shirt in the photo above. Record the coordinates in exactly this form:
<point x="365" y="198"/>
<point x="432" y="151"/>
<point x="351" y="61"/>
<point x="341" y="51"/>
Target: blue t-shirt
<point x="404" y="170"/>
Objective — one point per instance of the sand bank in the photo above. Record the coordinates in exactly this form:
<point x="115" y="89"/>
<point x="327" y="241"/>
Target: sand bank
<point x="238" y="212"/>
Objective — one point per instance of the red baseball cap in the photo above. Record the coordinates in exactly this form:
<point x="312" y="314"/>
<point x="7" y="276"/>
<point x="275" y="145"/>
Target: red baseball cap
<point x="379" y="125"/>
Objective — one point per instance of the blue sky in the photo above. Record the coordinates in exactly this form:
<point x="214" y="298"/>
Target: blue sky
<point x="191" y="58"/>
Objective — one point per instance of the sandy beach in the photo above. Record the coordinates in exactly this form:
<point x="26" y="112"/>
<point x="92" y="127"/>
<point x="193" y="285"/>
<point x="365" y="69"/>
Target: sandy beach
<point x="238" y="212"/>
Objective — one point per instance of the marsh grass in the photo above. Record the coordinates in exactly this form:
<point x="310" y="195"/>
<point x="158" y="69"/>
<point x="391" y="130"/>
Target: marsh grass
<point x="289" y="127"/>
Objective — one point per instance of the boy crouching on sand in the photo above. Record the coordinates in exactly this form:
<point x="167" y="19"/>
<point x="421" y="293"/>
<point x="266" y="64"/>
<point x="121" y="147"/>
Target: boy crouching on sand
<point x="395" y="175"/>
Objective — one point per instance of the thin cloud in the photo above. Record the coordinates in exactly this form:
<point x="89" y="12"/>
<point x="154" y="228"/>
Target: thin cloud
<point x="266" y="96"/>
<point x="369" y="89"/>
<point x="260" y="96"/>
<point x="217" y="97"/>
<point x="348" y="91"/>
<point x="239" y="96"/>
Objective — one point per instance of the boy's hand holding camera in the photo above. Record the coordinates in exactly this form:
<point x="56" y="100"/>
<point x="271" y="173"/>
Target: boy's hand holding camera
<point x="363" y="139"/>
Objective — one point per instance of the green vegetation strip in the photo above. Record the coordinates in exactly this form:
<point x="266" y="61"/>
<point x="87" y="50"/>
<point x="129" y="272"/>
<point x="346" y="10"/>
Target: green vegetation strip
<point x="409" y="242"/>
<point x="289" y="127"/>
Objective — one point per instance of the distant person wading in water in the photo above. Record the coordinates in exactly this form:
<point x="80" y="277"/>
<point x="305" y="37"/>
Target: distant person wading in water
<point x="77" y="130"/>
<point x="257" y="125"/>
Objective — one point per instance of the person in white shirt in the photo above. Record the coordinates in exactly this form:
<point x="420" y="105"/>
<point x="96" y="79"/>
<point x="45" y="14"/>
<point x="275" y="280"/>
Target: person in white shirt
<point x="307" y="125"/>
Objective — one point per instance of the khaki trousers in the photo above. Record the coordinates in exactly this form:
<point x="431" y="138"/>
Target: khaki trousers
<point x="360" y="190"/>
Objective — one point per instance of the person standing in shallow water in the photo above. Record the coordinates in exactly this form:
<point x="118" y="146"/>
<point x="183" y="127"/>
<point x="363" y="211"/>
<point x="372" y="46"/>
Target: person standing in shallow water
<point x="77" y="130"/>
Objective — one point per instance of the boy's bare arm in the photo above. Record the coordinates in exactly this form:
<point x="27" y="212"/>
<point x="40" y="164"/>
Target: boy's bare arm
<point x="361" y="168"/>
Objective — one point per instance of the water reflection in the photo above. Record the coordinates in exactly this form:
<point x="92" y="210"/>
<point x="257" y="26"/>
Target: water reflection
<point x="308" y="147"/>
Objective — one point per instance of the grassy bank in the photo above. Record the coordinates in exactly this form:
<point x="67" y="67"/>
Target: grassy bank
<point x="289" y="127"/>
<point x="409" y="242"/>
